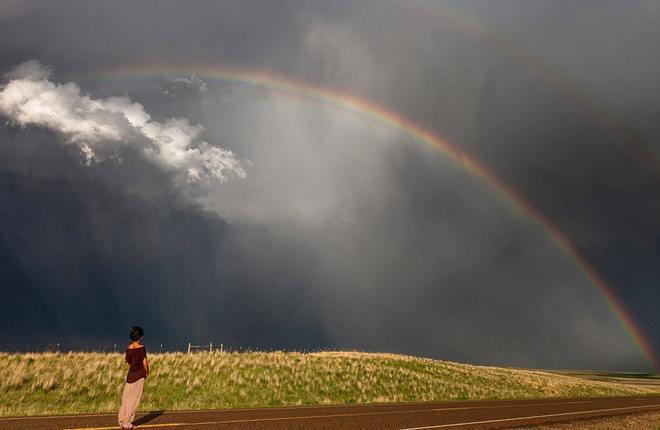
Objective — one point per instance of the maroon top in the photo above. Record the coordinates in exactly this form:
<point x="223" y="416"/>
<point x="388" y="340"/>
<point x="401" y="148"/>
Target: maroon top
<point x="135" y="358"/>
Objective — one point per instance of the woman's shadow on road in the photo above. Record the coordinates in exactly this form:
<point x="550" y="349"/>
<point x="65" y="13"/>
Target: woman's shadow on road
<point x="150" y="416"/>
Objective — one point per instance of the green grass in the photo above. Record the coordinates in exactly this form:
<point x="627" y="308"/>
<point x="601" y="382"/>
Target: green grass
<point x="52" y="383"/>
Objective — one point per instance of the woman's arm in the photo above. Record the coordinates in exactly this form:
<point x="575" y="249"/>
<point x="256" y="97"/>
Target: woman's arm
<point x="145" y="363"/>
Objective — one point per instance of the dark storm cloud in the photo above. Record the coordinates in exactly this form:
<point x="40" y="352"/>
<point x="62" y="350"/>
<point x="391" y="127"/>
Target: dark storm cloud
<point x="342" y="234"/>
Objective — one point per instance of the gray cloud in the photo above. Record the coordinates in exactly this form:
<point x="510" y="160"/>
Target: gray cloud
<point x="179" y="86"/>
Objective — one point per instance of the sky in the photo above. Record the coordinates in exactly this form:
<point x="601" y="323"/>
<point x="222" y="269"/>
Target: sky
<point x="139" y="187"/>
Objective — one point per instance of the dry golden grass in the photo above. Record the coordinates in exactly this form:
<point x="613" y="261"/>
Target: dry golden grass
<point x="629" y="422"/>
<point x="47" y="383"/>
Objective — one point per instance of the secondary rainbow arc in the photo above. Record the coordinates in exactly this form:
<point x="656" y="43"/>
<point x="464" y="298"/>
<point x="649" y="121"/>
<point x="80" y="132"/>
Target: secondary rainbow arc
<point x="554" y="77"/>
<point x="347" y="102"/>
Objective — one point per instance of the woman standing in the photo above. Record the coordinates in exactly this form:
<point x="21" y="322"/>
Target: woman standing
<point x="136" y="357"/>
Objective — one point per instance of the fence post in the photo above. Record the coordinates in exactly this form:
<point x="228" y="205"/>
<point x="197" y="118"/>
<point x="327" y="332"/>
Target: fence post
<point x="188" y="347"/>
<point x="210" y="346"/>
<point x="221" y="349"/>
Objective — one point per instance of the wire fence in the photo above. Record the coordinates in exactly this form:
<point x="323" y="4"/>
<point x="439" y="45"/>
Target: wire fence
<point x="186" y="348"/>
<point x="192" y="348"/>
<point x="63" y="347"/>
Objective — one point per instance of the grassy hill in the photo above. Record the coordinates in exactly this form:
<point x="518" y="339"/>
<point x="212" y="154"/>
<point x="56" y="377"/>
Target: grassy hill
<point x="51" y="383"/>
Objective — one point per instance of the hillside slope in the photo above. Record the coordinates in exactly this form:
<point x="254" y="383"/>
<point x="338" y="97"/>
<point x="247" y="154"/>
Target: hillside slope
<point x="52" y="383"/>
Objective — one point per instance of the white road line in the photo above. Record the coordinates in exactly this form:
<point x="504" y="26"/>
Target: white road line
<point x="527" y="418"/>
<point x="196" y="411"/>
<point x="290" y="408"/>
<point x="361" y="414"/>
<point x="529" y="405"/>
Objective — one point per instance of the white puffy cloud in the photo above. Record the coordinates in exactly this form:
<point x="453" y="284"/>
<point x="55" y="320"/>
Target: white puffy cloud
<point x="100" y="128"/>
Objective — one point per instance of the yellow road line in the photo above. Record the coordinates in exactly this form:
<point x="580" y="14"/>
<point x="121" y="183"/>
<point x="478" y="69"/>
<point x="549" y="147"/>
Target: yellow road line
<point x="307" y="417"/>
<point x="285" y="408"/>
<point x="256" y="420"/>
<point x="195" y="411"/>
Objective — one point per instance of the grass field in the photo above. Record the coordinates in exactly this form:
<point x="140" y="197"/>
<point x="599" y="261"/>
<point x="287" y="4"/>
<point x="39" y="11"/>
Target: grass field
<point x="51" y="383"/>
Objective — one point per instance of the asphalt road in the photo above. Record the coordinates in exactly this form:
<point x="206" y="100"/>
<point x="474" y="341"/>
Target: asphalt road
<point x="407" y="416"/>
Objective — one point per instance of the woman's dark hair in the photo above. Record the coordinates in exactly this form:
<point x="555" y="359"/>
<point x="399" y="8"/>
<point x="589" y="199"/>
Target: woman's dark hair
<point x="136" y="333"/>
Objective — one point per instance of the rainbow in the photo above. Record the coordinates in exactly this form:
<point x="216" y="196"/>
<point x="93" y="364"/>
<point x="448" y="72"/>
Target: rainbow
<point x="269" y="81"/>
